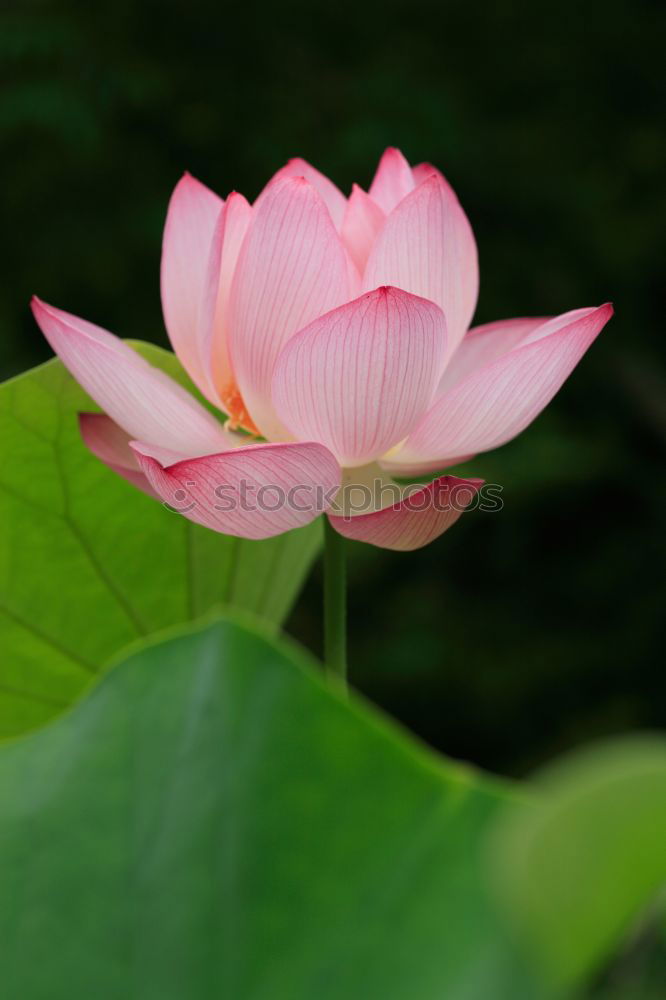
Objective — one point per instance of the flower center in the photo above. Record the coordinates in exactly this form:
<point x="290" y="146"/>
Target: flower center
<point x="234" y="405"/>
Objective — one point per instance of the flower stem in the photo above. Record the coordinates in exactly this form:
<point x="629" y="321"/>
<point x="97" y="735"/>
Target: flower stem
<point x="335" y="604"/>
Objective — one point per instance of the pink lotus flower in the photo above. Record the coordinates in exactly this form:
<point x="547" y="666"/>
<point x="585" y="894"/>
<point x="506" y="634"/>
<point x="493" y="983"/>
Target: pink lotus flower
<point x="337" y="330"/>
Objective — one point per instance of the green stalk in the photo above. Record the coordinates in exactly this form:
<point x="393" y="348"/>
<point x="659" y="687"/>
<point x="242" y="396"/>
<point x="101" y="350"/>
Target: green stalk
<point x="335" y="603"/>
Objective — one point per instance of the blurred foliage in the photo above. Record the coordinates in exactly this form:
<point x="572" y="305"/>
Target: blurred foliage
<point x="519" y="633"/>
<point x="579" y="858"/>
<point x="639" y="971"/>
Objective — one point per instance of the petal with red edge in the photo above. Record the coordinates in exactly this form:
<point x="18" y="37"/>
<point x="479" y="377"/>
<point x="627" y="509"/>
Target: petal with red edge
<point x="292" y="268"/>
<point x="143" y="400"/>
<point x="392" y="181"/>
<point x="358" y="378"/>
<point x="252" y="492"/>
<point x="427" y="247"/>
<point x="192" y="217"/>
<point x="363" y="220"/>
<point x="111" y="445"/>
<point x="331" y="195"/>
<point x="423" y="514"/>
<point x="495" y="403"/>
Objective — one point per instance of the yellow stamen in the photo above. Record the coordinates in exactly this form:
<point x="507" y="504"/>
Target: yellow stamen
<point x="235" y="407"/>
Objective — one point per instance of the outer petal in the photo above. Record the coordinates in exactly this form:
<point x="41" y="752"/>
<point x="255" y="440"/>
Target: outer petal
<point x="252" y="492"/>
<point x="427" y="247"/>
<point x="291" y="269"/>
<point x="111" y="445"/>
<point x="361" y="224"/>
<point x="331" y="195"/>
<point x="191" y="221"/>
<point x="393" y="180"/>
<point x="423" y="515"/>
<point x="358" y="378"/>
<point x="496" y="402"/>
<point x="141" y="399"/>
<point x="482" y="344"/>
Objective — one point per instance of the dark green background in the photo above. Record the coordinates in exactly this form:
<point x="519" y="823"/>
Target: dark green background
<point x="520" y="633"/>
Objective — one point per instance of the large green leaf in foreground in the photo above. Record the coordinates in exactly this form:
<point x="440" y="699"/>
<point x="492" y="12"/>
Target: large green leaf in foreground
<point x="213" y="822"/>
<point x="87" y="563"/>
